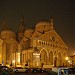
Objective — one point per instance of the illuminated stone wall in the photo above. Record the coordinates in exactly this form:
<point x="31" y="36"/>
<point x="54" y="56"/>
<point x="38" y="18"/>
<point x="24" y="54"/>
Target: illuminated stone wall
<point x="7" y="34"/>
<point x="46" y="42"/>
<point x="36" y="47"/>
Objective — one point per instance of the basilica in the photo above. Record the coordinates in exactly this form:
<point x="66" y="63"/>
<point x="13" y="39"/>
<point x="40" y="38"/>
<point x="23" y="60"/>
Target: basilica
<point x="33" y="47"/>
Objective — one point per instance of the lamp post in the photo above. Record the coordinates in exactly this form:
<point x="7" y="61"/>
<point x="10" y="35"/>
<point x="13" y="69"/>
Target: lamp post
<point x="66" y="61"/>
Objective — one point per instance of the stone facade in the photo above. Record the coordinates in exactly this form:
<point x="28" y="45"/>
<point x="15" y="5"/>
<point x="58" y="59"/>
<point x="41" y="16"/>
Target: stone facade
<point x="43" y="46"/>
<point x="34" y="47"/>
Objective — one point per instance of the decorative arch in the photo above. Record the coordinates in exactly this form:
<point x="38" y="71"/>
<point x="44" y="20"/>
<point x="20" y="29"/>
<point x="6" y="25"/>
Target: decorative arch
<point x="64" y="58"/>
<point x="65" y="54"/>
<point x="43" y="56"/>
<point x="59" y="59"/>
<point x="55" y="58"/>
<point x="55" y="53"/>
<point x="51" y="57"/>
<point x="55" y="61"/>
<point x="43" y="49"/>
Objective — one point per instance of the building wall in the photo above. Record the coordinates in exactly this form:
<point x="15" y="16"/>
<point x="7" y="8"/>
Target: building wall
<point x="72" y="61"/>
<point x="1" y="52"/>
<point x="47" y="48"/>
<point x="35" y="48"/>
<point x="7" y="34"/>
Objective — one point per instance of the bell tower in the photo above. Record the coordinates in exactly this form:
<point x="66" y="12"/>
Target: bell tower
<point x="21" y="29"/>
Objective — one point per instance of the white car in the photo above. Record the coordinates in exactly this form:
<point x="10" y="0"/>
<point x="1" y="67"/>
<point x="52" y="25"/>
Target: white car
<point x="19" y="69"/>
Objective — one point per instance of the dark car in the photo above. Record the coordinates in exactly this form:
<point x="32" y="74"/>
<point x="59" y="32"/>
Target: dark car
<point x="41" y="70"/>
<point x="4" y="68"/>
<point x="71" y="70"/>
<point x="35" y="70"/>
<point x="38" y="70"/>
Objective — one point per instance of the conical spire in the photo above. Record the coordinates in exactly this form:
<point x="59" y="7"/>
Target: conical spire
<point x="22" y="24"/>
<point x="51" y="20"/>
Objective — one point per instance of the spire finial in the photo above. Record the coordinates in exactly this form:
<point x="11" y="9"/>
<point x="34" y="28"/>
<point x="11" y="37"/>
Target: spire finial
<point x="51" y="20"/>
<point x="22" y="24"/>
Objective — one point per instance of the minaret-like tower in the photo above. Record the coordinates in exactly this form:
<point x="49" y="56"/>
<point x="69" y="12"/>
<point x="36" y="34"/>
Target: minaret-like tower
<point x="51" y="22"/>
<point x="21" y="29"/>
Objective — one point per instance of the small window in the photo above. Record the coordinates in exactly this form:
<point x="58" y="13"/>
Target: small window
<point x="43" y="32"/>
<point x="53" y="38"/>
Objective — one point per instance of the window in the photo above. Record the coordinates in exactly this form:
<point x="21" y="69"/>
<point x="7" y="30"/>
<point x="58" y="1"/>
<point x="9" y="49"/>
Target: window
<point x="43" y="32"/>
<point x="40" y="56"/>
<point x="44" y="56"/>
<point x="53" y="38"/>
<point x="23" y="58"/>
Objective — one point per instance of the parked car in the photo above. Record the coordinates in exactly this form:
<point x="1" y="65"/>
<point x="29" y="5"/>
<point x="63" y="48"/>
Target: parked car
<point x="38" y="70"/>
<point x="71" y="71"/>
<point x="19" y="69"/>
<point x="4" y="68"/>
<point x="35" y="70"/>
<point x="42" y="70"/>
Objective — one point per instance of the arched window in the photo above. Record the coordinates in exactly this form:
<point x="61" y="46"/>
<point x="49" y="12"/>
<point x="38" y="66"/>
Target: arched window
<point x="59" y="59"/>
<point x="43" y="56"/>
<point x="51" y="57"/>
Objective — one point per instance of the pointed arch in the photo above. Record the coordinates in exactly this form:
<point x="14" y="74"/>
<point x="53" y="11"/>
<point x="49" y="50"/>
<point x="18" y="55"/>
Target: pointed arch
<point x="51" y="57"/>
<point x="44" y="50"/>
<point x="43" y="56"/>
<point x="59" y="58"/>
<point x="55" y="53"/>
<point x="64" y="58"/>
<point x="55" y="61"/>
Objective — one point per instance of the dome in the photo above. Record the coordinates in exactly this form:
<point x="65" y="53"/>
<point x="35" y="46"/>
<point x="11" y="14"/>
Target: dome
<point x="6" y="34"/>
<point x="42" y="23"/>
<point x="28" y="33"/>
<point x="44" y="26"/>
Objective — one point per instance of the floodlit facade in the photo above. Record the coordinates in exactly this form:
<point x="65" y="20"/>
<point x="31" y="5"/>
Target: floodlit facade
<point x="33" y="47"/>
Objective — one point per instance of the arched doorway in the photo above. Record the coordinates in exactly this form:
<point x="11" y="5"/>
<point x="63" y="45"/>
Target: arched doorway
<point x="55" y="61"/>
<point x="59" y="59"/>
<point x="51" y="58"/>
<point x="64" y="59"/>
<point x="43" y="57"/>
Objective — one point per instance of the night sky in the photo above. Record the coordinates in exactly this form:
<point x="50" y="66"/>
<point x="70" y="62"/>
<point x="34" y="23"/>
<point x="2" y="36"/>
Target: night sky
<point x="34" y="11"/>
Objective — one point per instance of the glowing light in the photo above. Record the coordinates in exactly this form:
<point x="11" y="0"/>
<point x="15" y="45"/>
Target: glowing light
<point x="0" y="56"/>
<point x="18" y="57"/>
<point x="37" y="56"/>
<point x="13" y="61"/>
<point x="69" y="61"/>
<point x="66" y="58"/>
<point x="37" y="63"/>
<point x="18" y="53"/>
